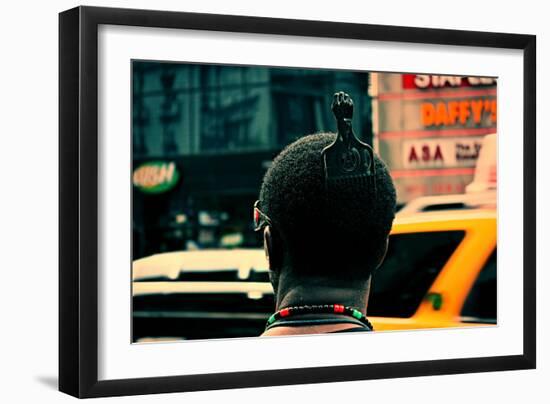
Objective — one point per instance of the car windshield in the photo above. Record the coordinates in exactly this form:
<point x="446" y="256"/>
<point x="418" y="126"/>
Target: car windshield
<point x="412" y="263"/>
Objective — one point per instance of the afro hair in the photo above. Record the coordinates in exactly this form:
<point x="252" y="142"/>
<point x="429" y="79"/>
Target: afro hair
<point x="343" y="229"/>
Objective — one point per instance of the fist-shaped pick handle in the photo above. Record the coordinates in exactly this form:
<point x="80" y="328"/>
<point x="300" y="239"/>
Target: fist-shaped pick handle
<point x="342" y="106"/>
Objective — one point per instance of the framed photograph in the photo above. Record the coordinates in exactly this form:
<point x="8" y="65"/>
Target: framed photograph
<point x="251" y="202"/>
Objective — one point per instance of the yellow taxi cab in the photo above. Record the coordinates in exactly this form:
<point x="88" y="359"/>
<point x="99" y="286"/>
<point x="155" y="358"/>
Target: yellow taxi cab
<point x="441" y="267"/>
<point x="440" y="271"/>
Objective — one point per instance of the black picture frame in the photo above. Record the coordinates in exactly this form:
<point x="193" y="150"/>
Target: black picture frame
<point x="78" y="200"/>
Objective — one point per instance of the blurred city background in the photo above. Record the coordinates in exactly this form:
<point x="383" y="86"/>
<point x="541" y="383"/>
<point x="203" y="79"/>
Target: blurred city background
<point x="203" y="137"/>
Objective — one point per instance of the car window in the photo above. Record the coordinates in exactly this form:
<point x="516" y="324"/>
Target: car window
<point x="444" y="206"/>
<point x="412" y="263"/>
<point x="481" y="304"/>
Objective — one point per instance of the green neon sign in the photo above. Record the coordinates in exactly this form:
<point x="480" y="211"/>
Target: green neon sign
<point x="156" y="177"/>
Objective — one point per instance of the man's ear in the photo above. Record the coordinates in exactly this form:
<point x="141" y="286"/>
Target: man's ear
<point x="273" y="250"/>
<point x="384" y="254"/>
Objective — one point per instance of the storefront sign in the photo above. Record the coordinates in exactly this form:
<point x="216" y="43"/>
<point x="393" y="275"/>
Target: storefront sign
<point x="155" y="177"/>
<point x="429" y="129"/>
<point x="422" y="81"/>
<point x="441" y="152"/>
<point x="449" y="113"/>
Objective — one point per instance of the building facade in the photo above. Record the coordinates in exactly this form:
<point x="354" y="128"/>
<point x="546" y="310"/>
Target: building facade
<point x="204" y="135"/>
<point x="429" y="129"/>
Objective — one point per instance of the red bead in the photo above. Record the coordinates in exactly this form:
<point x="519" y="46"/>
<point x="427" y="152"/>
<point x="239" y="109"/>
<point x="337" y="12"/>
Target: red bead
<point x="338" y="308"/>
<point x="284" y="312"/>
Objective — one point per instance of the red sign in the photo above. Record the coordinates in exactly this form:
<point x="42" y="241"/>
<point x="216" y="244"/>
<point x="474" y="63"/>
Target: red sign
<point x="427" y="81"/>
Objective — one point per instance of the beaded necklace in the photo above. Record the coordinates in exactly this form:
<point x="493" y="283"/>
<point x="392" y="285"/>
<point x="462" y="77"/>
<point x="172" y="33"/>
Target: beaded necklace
<point x="338" y="309"/>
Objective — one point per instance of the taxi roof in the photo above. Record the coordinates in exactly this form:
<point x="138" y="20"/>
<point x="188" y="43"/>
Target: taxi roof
<point x="446" y="215"/>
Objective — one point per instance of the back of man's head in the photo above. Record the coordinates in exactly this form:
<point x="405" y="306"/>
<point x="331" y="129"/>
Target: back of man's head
<point x="340" y="233"/>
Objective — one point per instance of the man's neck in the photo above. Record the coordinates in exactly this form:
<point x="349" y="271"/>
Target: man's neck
<point x="313" y="293"/>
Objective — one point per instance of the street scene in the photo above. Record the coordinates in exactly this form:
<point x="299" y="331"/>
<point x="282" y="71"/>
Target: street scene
<point x="204" y="136"/>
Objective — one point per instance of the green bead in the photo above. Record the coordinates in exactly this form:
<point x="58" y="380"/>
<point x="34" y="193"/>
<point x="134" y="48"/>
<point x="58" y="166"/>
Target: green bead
<point x="357" y="314"/>
<point x="271" y="319"/>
